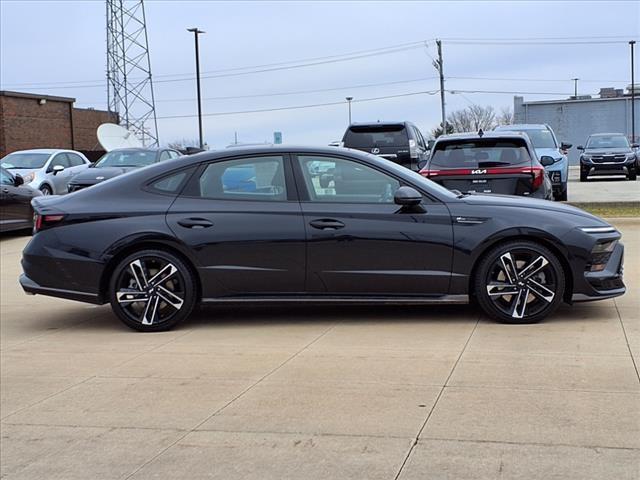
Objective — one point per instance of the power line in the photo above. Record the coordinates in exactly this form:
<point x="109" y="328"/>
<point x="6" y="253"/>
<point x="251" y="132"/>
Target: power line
<point x="533" y="79"/>
<point x="299" y="107"/>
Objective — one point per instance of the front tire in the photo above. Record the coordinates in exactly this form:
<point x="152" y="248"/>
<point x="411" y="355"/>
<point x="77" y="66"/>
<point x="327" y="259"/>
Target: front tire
<point x="633" y="174"/>
<point x="519" y="282"/>
<point x="562" y="196"/>
<point x="152" y="291"/>
<point x="46" y="190"/>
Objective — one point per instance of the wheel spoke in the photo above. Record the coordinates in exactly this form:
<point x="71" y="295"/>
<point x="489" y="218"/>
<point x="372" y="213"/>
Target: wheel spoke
<point x="150" y="310"/>
<point x="171" y="298"/>
<point x="534" y="267"/>
<point x="126" y="296"/>
<point x="168" y="271"/>
<point x="540" y="290"/>
<point x="499" y="289"/>
<point x="520" y="303"/>
<point x="138" y="274"/>
<point x="509" y="267"/>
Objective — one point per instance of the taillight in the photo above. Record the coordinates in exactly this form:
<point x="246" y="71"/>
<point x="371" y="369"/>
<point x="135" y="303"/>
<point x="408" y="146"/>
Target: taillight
<point x="45" y="221"/>
<point x="413" y="149"/>
<point x="538" y="177"/>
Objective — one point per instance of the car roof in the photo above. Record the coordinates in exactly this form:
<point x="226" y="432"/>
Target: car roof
<point x="490" y="134"/>
<point x="607" y="134"/>
<point x="380" y="124"/>
<point x="139" y="149"/>
<point x="48" y="151"/>
<point x="524" y="126"/>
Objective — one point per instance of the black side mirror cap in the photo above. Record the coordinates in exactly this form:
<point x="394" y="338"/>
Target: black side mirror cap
<point x="547" y="161"/>
<point x="635" y="145"/>
<point x="18" y="180"/>
<point x="566" y="146"/>
<point x="407" y="197"/>
<point x="580" y="147"/>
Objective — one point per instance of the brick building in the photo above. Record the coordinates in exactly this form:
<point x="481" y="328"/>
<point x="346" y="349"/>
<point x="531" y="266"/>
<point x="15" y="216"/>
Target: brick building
<point x="30" y="120"/>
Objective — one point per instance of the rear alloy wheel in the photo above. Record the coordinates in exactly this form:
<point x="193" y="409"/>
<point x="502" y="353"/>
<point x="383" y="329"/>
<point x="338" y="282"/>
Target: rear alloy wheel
<point x="46" y="190"/>
<point x="519" y="282"/>
<point x="152" y="290"/>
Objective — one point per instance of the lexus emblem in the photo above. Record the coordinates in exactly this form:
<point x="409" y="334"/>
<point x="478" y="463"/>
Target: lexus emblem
<point x="375" y="150"/>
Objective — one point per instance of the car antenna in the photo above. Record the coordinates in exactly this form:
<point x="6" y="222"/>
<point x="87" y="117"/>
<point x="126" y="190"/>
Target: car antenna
<point x="480" y="133"/>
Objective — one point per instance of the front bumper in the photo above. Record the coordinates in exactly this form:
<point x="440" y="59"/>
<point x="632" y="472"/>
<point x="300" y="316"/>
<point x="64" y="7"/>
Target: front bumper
<point x="608" y="168"/>
<point x="607" y="283"/>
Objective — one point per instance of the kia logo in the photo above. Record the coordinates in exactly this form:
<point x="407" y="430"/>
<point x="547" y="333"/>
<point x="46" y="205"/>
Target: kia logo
<point x="478" y="171"/>
<point x="375" y="150"/>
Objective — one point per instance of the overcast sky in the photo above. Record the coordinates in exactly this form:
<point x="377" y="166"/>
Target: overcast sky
<point x="48" y="42"/>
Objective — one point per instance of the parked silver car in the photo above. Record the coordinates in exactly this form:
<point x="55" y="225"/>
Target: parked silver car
<point x="47" y="170"/>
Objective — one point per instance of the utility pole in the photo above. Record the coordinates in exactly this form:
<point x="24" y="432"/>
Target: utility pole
<point x="633" y="97"/>
<point x="438" y="65"/>
<point x="575" y="88"/>
<point x="348" y="99"/>
<point x="197" y="32"/>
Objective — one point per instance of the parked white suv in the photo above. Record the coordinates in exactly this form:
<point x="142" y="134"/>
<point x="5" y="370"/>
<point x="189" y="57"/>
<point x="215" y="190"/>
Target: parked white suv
<point x="47" y="170"/>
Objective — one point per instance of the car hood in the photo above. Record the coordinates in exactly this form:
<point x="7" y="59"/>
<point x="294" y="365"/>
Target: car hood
<point x="99" y="174"/>
<point x="23" y="172"/>
<point x="529" y="203"/>
<point x="604" y="151"/>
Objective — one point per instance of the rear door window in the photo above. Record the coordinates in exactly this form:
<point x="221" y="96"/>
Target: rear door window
<point x="75" y="160"/>
<point x="480" y="153"/>
<point x="372" y="136"/>
<point x="252" y="178"/>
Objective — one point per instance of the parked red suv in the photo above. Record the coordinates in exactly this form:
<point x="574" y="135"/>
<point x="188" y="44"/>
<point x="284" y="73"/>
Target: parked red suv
<point x="492" y="162"/>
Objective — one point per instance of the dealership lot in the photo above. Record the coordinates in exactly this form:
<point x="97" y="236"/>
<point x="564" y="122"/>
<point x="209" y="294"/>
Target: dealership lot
<point x="327" y="392"/>
<point x="602" y="189"/>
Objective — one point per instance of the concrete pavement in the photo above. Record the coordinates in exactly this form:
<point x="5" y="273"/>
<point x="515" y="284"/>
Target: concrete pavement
<point x="612" y="189"/>
<point x="309" y="392"/>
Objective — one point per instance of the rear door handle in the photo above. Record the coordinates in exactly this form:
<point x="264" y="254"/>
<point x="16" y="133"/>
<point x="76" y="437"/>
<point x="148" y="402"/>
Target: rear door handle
<point x="326" y="224"/>
<point x="195" y="223"/>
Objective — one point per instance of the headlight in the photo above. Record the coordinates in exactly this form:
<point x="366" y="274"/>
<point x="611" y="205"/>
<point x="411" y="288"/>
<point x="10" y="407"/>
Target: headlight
<point x="600" y="255"/>
<point x="585" y="157"/>
<point x="28" y="178"/>
<point x="608" y="229"/>
<point x="631" y="156"/>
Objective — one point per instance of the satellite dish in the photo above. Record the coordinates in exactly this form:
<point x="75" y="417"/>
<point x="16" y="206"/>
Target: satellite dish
<point x="112" y="136"/>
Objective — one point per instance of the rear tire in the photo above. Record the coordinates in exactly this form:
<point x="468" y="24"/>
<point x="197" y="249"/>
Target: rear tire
<point x="632" y="175"/>
<point x="562" y="196"/>
<point x="152" y="290"/>
<point x="519" y="282"/>
<point x="583" y="177"/>
<point x="46" y="190"/>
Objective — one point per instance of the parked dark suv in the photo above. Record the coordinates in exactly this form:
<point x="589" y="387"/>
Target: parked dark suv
<point x="608" y="154"/>
<point x="400" y="142"/>
<point x="492" y="162"/>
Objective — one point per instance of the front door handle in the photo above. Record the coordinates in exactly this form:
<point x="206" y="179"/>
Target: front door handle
<point x="326" y="224"/>
<point x="195" y="223"/>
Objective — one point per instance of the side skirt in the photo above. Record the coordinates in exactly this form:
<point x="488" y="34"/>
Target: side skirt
<point x="359" y="300"/>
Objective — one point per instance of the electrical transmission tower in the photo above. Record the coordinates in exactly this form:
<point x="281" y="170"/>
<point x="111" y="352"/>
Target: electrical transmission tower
<point x="129" y="85"/>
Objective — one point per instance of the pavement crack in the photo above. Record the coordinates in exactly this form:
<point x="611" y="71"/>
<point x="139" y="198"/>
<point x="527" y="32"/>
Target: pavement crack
<point x="626" y="339"/>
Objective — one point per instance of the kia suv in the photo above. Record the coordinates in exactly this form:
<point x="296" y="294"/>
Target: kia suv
<point x="492" y="162"/>
<point x="546" y="145"/>
<point x="608" y="154"/>
<point x="400" y="142"/>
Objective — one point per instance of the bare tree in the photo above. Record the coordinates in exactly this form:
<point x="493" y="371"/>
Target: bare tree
<point x="505" y="117"/>
<point x="437" y="131"/>
<point x="472" y="119"/>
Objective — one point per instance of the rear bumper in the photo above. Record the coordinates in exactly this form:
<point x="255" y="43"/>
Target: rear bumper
<point x="32" y="288"/>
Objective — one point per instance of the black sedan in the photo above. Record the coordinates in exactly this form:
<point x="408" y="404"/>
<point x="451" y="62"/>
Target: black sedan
<point x="117" y="162"/>
<point x="15" y="202"/>
<point x="256" y="225"/>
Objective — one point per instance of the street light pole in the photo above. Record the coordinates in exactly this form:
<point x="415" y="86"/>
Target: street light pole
<point x="349" y="102"/>
<point x="633" y="96"/>
<point x="197" y="32"/>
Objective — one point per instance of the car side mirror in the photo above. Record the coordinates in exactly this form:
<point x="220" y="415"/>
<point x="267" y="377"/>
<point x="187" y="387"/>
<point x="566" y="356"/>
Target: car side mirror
<point x="580" y="147"/>
<point x="546" y="161"/>
<point x="57" y="169"/>
<point x="407" y="197"/>
<point x="635" y="145"/>
<point x="566" y="146"/>
<point x="430" y="144"/>
<point x="18" y="180"/>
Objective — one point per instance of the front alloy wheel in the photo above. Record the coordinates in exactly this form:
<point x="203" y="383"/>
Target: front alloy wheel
<point x="520" y="282"/>
<point x="152" y="290"/>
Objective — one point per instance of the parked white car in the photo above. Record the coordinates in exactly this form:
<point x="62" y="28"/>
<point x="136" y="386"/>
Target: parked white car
<point x="47" y="170"/>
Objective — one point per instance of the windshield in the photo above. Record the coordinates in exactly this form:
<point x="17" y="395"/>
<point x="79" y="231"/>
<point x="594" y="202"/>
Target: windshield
<point x="480" y="153"/>
<point x="608" y="141"/>
<point x="29" y="161"/>
<point x="367" y="137"/>
<point x="126" y="158"/>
